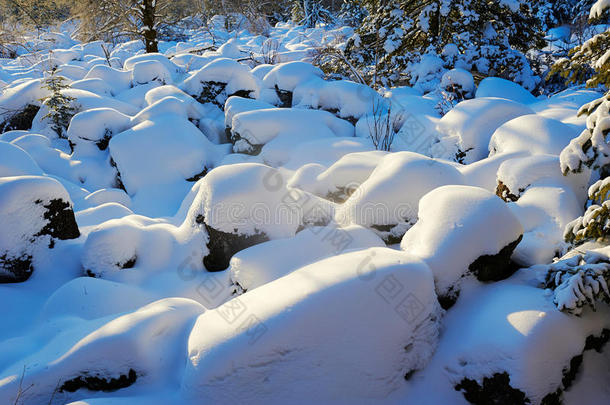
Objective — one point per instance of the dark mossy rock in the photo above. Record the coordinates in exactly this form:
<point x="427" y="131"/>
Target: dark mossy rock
<point x="250" y="149"/>
<point x="118" y="182"/>
<point x="448" y="299"/>
<point x="60" y="224"/>
<point x="284" y="96"/>
<point x="99" y="383"/>
<point x="215" y="93"/>
<point x="223" y="246"/>
<point x="335" y="112"/>
<point x="495" y="267"/>
<point x="21" y="120"/>
<point x="199" y="175"/>
<point x="341" y="194"/>
<point x="102" y="144"/>
<point x="128" y="264"/>
<point x="494" y="390"/>
<point x="391" y="234"/>
<point x="61" y="221"/>
<point x="15" y="269"/>
<point x="504" y="192"/>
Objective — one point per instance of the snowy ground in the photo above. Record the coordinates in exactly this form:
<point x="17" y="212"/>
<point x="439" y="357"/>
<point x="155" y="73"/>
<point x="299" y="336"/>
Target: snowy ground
<point x="213" y="228"/>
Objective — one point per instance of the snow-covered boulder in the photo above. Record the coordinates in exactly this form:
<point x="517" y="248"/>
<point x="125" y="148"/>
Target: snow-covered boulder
<point x="469" y="126"/>
<point x="509" y="344"/>
<point x="163" y="150"/>
<point x="532" y="133"/>
<point x="271" y="260"/>
<point x="20" y="104"/>
<point x="349" y="317"/>
<point x="241" y="205"/>
<point x="285" y="77"/>
<point x="341" y="179"/>
<point x="151" y="70"/>
<point x="35" y="211"/>
<point x="119" y="80"/>
<point x="463" y="230"/>
<point x="516" y="175"/>
<point x="390" y="195"/>
<point x="346" y="99"/>
<point x="458" y="81"/>
<point x="145" y="346"/>
<point x="96" y="127"/>
<point x="251" y="130"/>
<point x="16" y="162"/>
<point x="220" y="79"/>
<point x="502" y="88"/>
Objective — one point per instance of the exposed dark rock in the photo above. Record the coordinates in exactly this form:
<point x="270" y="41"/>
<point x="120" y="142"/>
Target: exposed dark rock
<point x="335" y="112"/>
<point x="99" y="383"/>
<point x="21" y="120"/>
<point x="285" y="97"/>
<point x="19" y="269"/>
<point x="251" y="149"/>
<point x="102" y="144"/>
<point x="215" y="93"/>
<point x="504" y="193"/>
<point x="597" y="343"/>
<point x="461" y="154"/>
<point x="199" y="175"/>
<point x="448" y="299"/>
<point x="341" y="194"/>
<point x="61" y="221"/>
<point x="494" y="390"/>
<point x="495" y="267"/>
<point x="391" y="234"/>
<point x="223" y="246"/>
<point x="118" y="182"/>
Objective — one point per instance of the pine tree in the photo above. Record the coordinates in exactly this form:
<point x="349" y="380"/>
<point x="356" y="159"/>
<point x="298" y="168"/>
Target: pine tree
<point x="591" y="147"/>
<point x="490" y="36"/>
<point x="60" y="106"/>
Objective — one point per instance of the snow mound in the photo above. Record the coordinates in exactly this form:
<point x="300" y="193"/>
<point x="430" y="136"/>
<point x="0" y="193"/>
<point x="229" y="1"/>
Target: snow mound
<point x="220" y="79"/>
<point x="287" y="76"/>
<point x="241" y="205"/>
<point x="341" y="179"/>
<point x="252" y="129"/>
<point x="471" y="124"/>
<point x="371" y="312"/>
<point x="144" y="346"/>
<point x="96" y="126"/>
<point x="502" y="88"/>
<point x="461" y="230"/>
<point x="532" y="133"/>
<point x="163" y="150"/>
<point x="261" y="264"/>
<point x="16" y="161"/>
<point x="119" y="80"/>
<point x="34" y="212"/>
<point x="391" y="194"/>
<point x="151" y="70"/>
<point x="459" y="81"/>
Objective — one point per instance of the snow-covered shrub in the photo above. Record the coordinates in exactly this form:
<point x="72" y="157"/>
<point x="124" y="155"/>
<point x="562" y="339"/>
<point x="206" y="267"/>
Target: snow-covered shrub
<point x="467" y="129"/>
<point x="220" y="79"/>
<point x="241" y="205"/>
<point x="388" y="199"/>
<point x="340" y="309"/>
<point x="590" y="148"/>
<point x="579" y="280"/>
<point x="35" y="211"/>
<point x="594" y="224"/>
<point x="463" y="230"/>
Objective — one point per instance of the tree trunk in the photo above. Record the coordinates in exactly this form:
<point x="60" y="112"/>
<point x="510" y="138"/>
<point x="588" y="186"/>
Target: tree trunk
<point x="149" y="32"/>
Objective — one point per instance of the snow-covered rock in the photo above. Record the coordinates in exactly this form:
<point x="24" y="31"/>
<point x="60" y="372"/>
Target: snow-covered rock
<point x="502" y="88"/>
<point x="463" y="230"/>
<point x="390" y="195"/>
<point x="365" y="313"/>
<point x="470" y="125"/>
<point x="35" y="211"/>
<point x="16" y="161"/>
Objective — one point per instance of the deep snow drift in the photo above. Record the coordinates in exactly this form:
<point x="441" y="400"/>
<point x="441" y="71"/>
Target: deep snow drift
<point x="202" y="226"/>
